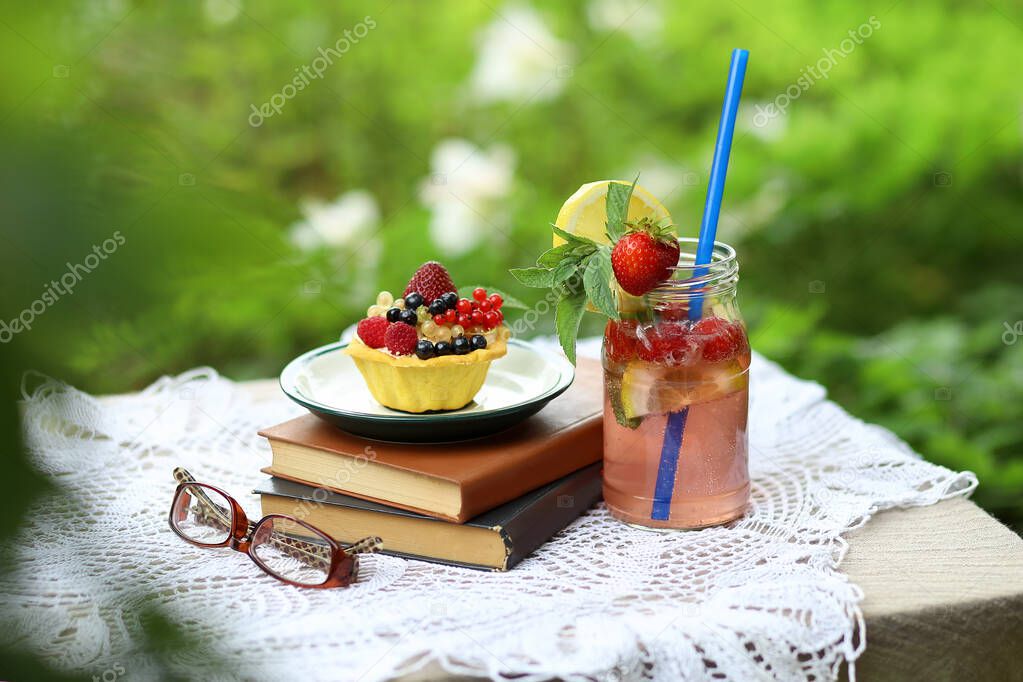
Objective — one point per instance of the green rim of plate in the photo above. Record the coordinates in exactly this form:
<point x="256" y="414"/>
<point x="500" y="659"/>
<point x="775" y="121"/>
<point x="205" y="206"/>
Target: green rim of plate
<point x="567" y="376"/>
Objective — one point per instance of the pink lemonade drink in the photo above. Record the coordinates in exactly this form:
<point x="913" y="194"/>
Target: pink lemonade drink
<point x="676" y="391"/>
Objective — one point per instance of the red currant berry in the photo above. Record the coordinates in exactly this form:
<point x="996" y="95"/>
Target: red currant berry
<point x="439" y="320"/>
<point x="496" y="301"/>
<point x="491" y="319"/>
<point x="464" y="320"/>
<point x="500" y="316"/>
<point x="464" y="306"/>
<point x="479" y="293"/>
<point x="476" y="317"/>
<point x="485" y="306"/>
<point x="450" y="315"/>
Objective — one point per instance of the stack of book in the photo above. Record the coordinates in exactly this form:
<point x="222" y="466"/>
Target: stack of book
<point x="485" y="503"/>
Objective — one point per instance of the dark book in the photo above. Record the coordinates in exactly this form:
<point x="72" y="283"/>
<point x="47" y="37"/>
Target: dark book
<point x="453" y="481"/>
<point x="495" y="540"/>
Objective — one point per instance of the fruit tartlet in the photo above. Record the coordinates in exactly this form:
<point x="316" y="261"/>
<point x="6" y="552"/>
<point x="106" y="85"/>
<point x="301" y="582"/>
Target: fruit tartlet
<point x="429" y="350"/>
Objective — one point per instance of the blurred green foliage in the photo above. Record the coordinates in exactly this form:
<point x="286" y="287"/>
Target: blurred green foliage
<point x="877" y="220"/>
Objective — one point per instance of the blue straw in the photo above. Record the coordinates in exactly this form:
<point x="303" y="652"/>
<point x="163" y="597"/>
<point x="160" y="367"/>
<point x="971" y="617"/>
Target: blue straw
<point x="664" y="489"/>
<point x="674" y="429"/>
<point x="718" y="169"/>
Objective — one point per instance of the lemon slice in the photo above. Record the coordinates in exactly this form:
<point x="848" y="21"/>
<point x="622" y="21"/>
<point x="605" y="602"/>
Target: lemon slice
<point x="634" y="393"/>
<point x="583" y="213"/>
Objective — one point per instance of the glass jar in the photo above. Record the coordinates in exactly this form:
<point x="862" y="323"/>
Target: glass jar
<point x="676" y="393"/>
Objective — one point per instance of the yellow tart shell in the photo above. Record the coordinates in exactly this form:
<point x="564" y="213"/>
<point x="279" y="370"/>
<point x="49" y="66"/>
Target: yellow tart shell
<point x="412" y="385"/>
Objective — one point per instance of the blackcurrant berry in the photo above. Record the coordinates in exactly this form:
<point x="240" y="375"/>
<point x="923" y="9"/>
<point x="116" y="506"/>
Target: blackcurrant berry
<point x="425" y="349"/>
<point x="408" y="316"/>
<point x="413" y="300"/>
<point x="443" y="348"/>
<point x="393" y="314"/>
<point x="461" y="345"/>
<point x="478" y="341"/>
<point x="450" y="299"/>
<point x="438" y="307"/>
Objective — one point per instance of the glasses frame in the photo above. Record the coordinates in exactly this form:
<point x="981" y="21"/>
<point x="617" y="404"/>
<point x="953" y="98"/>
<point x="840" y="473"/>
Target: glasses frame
<point x="344" y="564"/>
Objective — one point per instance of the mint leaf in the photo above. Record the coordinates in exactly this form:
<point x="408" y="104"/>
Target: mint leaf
<point x="597" y="279"/>
<point x="551" y="257"/>
<point x="573" y="239"/>
<point x="617" y="208"/>
<point x="583" y="250"/>
<point x="509" y="301"/>
<point x="567" y="315"/>
<point x="538" y="278"/>
<point x="565" y="270"/>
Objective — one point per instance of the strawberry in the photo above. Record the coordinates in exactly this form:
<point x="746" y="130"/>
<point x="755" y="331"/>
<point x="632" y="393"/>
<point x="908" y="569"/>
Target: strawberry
<point x="720" y="339"/>
<point x="401" y="338"/>
<point x="673" y="311"/>
<point x="670" y="343"/>
<point x="371" y="331"/>
<point x="620" y="340"/>
<point x="644" y="256"/>
<point x="431" y="281"/>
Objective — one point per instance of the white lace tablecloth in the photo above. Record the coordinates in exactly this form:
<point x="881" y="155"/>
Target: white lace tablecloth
<point x="762" y="599"/>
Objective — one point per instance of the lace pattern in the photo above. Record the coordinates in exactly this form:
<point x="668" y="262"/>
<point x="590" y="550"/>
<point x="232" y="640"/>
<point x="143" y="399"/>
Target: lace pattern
<point x="760" y="599"/>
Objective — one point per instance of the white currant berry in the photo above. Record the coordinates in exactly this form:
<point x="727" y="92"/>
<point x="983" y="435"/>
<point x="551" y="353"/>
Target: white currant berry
<point x="385" y="299"/>
<point x="442" y="334"/>
<point x="456" y="330"/>
<point x="399" y="303"/>
<point x="429" y="328"/>
<point x="376" y="311"/>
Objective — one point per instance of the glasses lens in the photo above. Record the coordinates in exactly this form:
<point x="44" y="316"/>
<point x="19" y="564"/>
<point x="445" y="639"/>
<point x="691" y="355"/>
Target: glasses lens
<point x="202" y="515"/>
<point x="292" y="551"/>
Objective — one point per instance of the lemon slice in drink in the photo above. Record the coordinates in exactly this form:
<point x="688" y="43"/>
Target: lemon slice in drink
<point x="583" y="213"/>
<point x="635" y="387"/>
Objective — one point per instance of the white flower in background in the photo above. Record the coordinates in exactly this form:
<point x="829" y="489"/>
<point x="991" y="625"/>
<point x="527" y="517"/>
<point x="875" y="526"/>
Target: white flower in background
<point x="519" y="58"/>
<point x="641" y="20"/>
<point x="666" y="179"/>
<point x="755" y="213"/>
<point x="464" y="193"/>
<point x="98" y="16"/>
<point x="763" y="120"/>
<point x="346" y="221"/>
<point x="219" y="12"/>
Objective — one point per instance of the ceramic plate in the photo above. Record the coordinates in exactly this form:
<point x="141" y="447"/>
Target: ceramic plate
<point x="326" y="382"/>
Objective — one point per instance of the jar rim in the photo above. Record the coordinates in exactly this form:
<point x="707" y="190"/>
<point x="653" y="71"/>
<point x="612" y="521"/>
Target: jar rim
<point x="688" y="279"/>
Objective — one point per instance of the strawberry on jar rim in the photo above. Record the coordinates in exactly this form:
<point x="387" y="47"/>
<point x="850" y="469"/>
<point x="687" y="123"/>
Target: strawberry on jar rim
<point x="644" y="256"/>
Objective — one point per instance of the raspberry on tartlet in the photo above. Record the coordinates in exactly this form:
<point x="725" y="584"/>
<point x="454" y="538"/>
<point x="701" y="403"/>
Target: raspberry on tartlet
<point x="371" y="330"/>
<point x="401" y="338"/>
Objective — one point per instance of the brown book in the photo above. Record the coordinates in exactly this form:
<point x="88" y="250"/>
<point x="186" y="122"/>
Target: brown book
<point x="495" y="540"/>
<point x="452" y="481"/>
